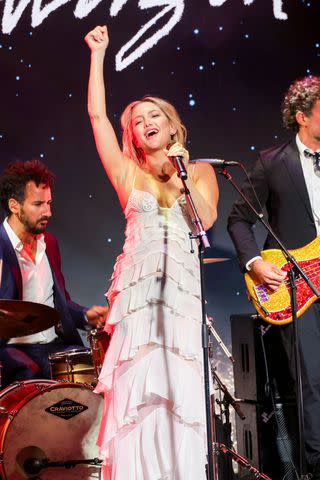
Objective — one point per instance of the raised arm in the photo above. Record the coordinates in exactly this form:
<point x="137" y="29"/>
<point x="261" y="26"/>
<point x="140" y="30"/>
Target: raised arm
<point x="113" y="160"/>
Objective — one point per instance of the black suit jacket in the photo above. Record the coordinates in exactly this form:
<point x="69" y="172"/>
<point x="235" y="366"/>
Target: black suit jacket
<point x="71" y="314"/>
<point x="278" y="180"/>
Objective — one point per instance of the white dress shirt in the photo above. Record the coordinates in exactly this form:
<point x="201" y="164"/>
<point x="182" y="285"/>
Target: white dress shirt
<point x="37" y="282"/>
<point x="312" y="179"/>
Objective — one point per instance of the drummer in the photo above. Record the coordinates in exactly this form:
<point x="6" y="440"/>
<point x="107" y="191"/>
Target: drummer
<point x="30" y="270"/>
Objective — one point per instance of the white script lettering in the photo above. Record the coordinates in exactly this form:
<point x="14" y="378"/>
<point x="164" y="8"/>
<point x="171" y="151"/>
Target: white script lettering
<point x="133" y="49"/>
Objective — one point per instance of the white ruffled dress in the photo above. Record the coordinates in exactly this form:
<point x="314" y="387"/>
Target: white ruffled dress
<point x="153" y="426"/>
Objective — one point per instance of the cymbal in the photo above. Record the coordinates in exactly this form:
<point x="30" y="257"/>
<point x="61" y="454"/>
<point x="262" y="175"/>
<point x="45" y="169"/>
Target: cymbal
<point x="19" y="318"/>
<point x="214" y="260"/>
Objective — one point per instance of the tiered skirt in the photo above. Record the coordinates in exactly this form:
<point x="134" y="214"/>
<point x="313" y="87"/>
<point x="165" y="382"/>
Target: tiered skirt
<point x="153" y="426"/>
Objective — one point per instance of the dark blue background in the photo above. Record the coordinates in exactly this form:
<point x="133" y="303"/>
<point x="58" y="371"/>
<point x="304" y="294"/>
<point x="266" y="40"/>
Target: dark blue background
<point x="235" y="69"/>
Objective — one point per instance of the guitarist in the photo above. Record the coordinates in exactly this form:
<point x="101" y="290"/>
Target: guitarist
<point x="287" y="183"/>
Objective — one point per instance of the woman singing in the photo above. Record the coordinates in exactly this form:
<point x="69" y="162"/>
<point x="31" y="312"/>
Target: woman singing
<point x="153" y="425"/>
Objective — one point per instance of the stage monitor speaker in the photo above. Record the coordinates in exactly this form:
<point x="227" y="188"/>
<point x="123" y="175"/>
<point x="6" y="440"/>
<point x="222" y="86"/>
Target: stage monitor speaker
<point x="259" y="355"/>
<point x="268" y="439"/>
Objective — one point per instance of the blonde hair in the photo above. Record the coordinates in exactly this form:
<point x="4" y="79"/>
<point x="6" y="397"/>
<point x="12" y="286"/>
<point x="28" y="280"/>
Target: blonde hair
<point x="129" y="147"/>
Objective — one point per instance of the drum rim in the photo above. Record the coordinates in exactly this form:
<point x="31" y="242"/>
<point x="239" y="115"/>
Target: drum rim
<point x="67" y="353"/>
<point x="12" y="386"/>
<point x="47" y="386"/>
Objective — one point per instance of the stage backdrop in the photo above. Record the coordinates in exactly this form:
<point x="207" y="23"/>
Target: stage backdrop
<point x="225" y="65"/>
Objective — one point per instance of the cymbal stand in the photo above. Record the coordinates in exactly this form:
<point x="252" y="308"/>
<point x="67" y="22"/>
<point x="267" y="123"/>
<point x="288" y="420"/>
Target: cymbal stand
<point x="220" y="342"/>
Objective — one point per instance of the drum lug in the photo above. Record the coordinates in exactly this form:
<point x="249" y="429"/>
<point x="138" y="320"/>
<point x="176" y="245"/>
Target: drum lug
<point x="40" y="387"/>
<point x="12" y="414"/>
<point x="18" y="384"/>
<point x="3" y="413"/>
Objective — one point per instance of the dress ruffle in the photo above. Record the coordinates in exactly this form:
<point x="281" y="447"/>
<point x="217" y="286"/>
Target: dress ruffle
<point x="130" y="269"/>
<point x="153" y="426"/>
<point x="151" y="325"/>
<point x="143" y="413"/>
<point x="158" y="448"/>
<point x="136" y="382"/>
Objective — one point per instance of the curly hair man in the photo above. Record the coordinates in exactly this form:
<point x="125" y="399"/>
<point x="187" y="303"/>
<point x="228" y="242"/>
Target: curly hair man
<point x="286" y="179"/>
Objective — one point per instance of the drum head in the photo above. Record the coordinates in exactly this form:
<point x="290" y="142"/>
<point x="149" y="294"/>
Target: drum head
<point x="59" y="423"/>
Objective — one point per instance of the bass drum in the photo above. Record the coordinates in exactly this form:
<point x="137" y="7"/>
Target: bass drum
<point x="43" y="419"/>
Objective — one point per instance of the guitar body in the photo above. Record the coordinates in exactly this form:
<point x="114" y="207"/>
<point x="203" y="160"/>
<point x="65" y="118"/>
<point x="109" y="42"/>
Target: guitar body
<point x="275" y="307"/>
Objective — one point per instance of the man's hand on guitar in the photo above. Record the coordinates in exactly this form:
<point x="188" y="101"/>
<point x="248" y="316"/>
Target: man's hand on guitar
<point x="268" y="274"/>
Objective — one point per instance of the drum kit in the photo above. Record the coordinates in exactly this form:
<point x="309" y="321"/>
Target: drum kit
<point x="49" y="428"/>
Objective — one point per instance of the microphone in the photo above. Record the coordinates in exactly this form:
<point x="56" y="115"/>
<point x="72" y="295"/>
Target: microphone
<point x="180" y="167"/>
<point x="178" y="163"/>
<point x="216" y="162"/>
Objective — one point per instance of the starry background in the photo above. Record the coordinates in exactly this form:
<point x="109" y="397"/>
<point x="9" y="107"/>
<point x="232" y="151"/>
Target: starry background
<point x="225" y="69"/>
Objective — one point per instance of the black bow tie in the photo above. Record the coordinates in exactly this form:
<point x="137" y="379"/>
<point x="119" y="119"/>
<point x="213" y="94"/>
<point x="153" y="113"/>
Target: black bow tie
<point x="315" y="156"/>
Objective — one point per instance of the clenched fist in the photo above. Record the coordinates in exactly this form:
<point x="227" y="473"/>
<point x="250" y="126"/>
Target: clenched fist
<point x="98" y="39"/>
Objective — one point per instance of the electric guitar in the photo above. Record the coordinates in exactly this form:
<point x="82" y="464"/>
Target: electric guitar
<point x="275" y="307"/>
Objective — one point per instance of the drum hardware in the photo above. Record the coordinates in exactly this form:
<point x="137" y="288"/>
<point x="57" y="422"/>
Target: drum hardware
<point x="99" y="342"/>
<point x="227" y="397"/>
<point x="19" y="318"/>
<point x="220" y="342"/>
<point x="12" y="414"/>
<point x="33" y="466"/>
<point x="242" y="461"/>
<point x="5" y="413"/>
<point x="38" y="386"/>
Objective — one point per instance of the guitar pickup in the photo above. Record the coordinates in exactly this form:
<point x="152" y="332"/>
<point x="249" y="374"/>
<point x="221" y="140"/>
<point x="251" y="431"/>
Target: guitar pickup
<point x="261" y="293"/>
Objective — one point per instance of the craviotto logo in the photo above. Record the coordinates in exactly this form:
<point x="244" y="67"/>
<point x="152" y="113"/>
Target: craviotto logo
<point x="13" y="11"/>
<point x="66" y="409"/>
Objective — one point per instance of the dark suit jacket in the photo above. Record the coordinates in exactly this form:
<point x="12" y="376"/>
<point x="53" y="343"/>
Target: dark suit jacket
<point x="71" y="314"/>
<point x="278" y="180"/>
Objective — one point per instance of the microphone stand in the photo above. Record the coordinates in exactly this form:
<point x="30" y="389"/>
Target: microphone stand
<point x="219" y="340"/>
<point x="203" y="243"/>
<point x="200" y="234"/>
<point x="294" y="271"/>
<point x="228" y="398"/>
<point x="33" y="466"/>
